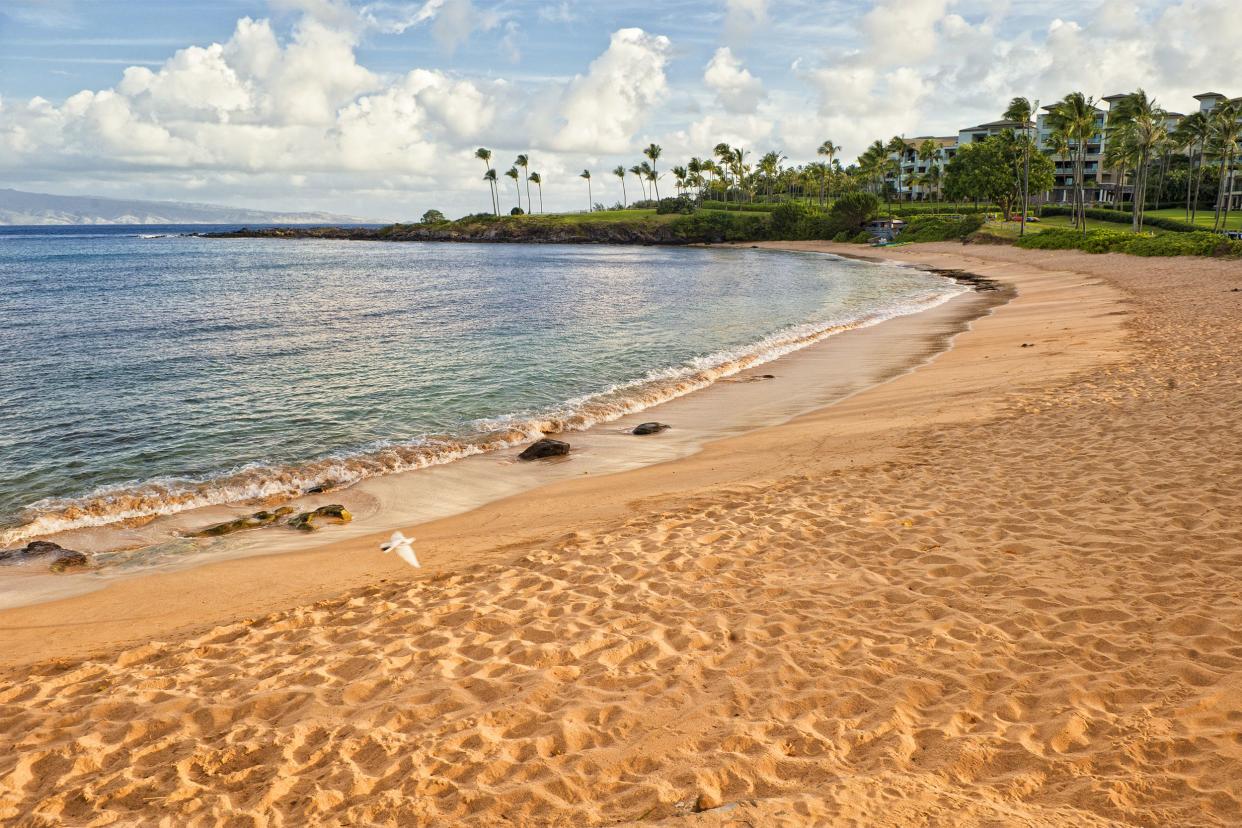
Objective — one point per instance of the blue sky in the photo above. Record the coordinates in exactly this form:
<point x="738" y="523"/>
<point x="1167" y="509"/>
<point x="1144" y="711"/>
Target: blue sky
<point x="373" y="108"/>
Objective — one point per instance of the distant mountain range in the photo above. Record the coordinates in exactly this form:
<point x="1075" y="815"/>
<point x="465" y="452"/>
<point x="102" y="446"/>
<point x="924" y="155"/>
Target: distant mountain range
<point x="17" y="207"/>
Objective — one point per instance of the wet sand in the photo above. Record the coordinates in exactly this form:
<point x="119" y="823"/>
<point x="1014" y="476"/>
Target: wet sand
<point x="1002" y="588"/>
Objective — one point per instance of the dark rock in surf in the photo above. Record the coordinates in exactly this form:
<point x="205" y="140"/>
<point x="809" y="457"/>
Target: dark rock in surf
<point x="248" y="522"/>
<point x="335" y="513"/>
<point x="320" y="488"/>
<point x="650" y="428"/>
<point x="65" y="559"/>
<point x="70" y="560"/>
<point x="544" y="448"/>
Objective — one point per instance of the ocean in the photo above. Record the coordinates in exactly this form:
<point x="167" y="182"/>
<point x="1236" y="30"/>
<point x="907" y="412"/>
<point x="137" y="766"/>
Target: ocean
<point x="148" y="371"/>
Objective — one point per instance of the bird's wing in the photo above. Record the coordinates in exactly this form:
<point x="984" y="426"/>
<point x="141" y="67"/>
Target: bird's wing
<point x="407" y="555"/>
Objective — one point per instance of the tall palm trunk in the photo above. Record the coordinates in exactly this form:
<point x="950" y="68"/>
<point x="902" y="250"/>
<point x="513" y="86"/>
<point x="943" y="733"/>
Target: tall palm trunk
<point x="1190" y="175"/>
<point x="1220" y="194"/>
<point x="1194" y="202"/>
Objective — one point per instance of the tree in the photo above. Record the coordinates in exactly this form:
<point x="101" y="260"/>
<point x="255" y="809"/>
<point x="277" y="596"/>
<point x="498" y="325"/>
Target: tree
<point x="1075" y="117"/>
<point x="1192" y="133"/>
<point x="993" y="170"/>
<point x="724" y="153"/>
<point x="681" y="174"/>
<point x="694" y="177"/>
<point x="590" y="199"/>
<point x="523" y="161"/>
<point x="433" y="217"/>
<point x="638" y="173"/>
<point x="828" y="150"/>
<point x="485" y="155"/>
<point x="490" y="177"/>
<point x="1021" y="110"/>
<point x="897" y="146"/>
<point x="513" y="173"/>
<point x="538" y="179"/>
<point x="653" y="152"/>
<point x="1225" y="134"/>
<point x="619" y="172"/>
<point x="1139" y="122"/>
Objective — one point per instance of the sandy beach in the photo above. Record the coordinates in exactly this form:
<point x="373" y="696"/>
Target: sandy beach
<point x="1002" y="588"/>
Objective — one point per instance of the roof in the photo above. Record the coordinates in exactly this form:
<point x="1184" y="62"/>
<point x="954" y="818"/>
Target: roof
<point x="1203" y="95"/>
<point x="999" y="125"/>
<point x="1117" y="97"/>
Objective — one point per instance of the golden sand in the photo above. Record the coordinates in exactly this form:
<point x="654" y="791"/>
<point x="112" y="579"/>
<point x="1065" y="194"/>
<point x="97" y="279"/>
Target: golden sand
<point x="1003" y="589"/>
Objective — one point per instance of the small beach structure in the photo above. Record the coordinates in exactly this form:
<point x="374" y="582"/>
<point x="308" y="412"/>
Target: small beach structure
<point x="885" y="229"/>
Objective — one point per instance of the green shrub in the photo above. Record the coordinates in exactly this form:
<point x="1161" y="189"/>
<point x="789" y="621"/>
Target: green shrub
<point x="517" y="211"/>
<point x="940" y="228"/>
<point x="734" y="206"/>
<point x="952" y="209"/>
<point x="1199" y="243"/>
<point x="720" y="227"/>
<point x="682" y="205"/>
<point x="853" y="210"/>
<point x="843" y="236"/>
<point x="862" y="237"/>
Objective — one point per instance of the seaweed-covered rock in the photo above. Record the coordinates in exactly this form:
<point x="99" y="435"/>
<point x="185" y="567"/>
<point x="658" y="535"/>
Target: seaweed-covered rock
<point x="254" y="521"/>
<point x="63" y="559"/>
<point x="544" y="448"/>
<point x="334" y="513"/>
<point x="649" y="428"/>
<point x="70" y="560"/>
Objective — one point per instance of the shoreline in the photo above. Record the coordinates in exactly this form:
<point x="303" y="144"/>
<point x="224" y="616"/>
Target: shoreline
<point x="183" y="600"/>
<point x="858" y="354"/>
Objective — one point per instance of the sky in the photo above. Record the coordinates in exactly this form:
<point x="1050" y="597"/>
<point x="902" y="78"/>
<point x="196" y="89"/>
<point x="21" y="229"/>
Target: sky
<point x="373" y="108"/>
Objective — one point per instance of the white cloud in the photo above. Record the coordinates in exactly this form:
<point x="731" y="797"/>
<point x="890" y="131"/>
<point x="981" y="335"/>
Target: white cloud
<point x="742" y="16"/>
<point x="736" y="89"/>
<point x="603" y="109"/>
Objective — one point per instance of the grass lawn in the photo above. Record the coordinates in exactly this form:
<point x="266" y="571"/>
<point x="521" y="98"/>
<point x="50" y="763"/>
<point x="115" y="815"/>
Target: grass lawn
<point x="1009" y="229"/>
<point x="1203" y="219"/>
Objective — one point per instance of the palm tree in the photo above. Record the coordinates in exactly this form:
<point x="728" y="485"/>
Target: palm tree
<point x="637" y="172"/>
<point x="538" y="179"/>
<point x="681" y="174"/>
<point x="619" y="172"/>
<point x="523" y="161"/>
<point x="897" y="146"/>
<point x="1058" y="146"/>
<point x="1075" y="116"/>
<point x="485" y="155"/>
<point x="1192" y="132"/>
<point x="694" y="174"/>
<point x="590" y="198"/>
<point x="725" y="153"/>
<point x="927" y="153"/>
<point x="1120" y="155"/>
<point x="1140" y="121"/>
<point x="1226" y="132"/>
<point x="1020" y="109"/>
<point x="653" y="152"/>
<point x="490" y="178"/>
<point x="828" y="150"/>
<point x="513" y="173"/>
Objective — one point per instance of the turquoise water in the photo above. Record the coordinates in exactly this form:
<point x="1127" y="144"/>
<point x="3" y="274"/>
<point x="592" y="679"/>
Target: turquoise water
<point x="147" y="372"/>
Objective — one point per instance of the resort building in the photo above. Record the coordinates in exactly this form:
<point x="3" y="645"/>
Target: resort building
<point x="1207" y="102"/>
<point x="920" y="173"/>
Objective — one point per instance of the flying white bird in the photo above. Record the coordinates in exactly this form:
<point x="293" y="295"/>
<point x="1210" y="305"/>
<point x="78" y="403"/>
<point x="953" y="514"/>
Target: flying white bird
<point x="401" y="544"/>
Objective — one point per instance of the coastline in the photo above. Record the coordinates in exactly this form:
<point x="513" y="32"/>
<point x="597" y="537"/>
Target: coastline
<point x="1001" y="588"/>
<point x="273" y="571"/>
